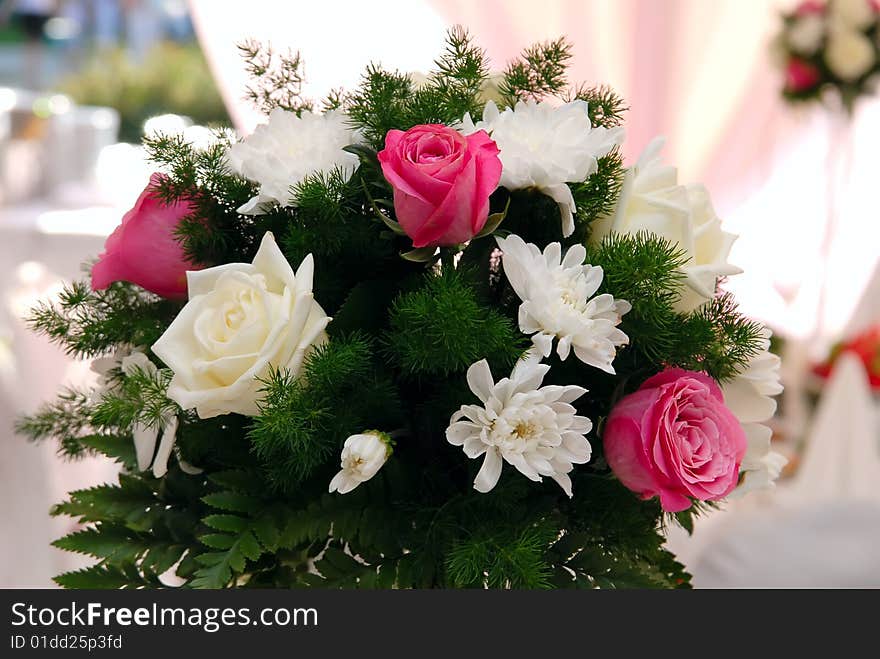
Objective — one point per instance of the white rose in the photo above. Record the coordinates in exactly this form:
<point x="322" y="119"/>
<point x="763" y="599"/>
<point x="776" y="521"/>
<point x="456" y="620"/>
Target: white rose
<point x="652" y="200"/>
<point x="805" y="34"/>
<point x="849" y="54"/>
<point x="857" y="14"/>
<point x="289" y="148"/>
<point x="362" y="456"/>
<point x="241" y="320"/>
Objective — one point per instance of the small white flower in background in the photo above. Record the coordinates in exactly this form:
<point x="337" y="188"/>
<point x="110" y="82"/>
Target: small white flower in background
<point x="558" y="303"/>
<point x="362" y="456"/>
<point x="283" y="152"/>
<point x="545" y="146"/>
<point x="750" y="397"/>
<point x="805" y="34"/>
<point x="857" y="14"/>
<point x="849" y="53"/>
<point x="242" y="320"/>
<point x="652" y="200"/>
<point x="534" y="428"/>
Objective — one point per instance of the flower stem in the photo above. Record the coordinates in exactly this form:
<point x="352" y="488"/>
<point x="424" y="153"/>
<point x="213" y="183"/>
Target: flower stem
<point x="447" y="259"/>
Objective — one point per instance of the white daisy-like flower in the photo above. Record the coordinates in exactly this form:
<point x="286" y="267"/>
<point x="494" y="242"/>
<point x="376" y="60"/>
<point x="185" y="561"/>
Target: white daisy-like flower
<point x="534" y="428"/>
<point x="362" y="456"/>
<point x="750" y="397"/>
<point x="558" y="302"/>
<point x="289" y="148"/>
<point x="545" y="146"/>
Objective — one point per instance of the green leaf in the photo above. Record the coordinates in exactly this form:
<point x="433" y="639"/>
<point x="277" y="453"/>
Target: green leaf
<point x="161" y="558"/>
<point x="364" y="308"/>
<point x="232" y="523"/>
<point x="216" y="573"/>
<point x="233" y="501"/>
<point x="362" y="151"/>
<point x="217" y="540"/>
<point x="266" y="530"/>
<point x="249" y="547"/>
<point x="108" y="542"/>
<point x="493" y="222"/>
<point x="421" y="255"/>
<point x="120" y="449"/>
<point x="95" y="577"/>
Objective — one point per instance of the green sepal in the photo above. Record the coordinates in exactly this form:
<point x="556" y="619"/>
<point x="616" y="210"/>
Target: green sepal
<point x="492" y="222"/>
<point x="421" y="255"/>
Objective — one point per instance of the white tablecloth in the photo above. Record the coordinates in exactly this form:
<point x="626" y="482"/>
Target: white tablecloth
<point x="33" y="477"/>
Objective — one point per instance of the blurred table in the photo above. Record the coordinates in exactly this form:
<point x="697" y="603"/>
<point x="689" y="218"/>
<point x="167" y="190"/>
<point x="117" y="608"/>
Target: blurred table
<point x="40" y="245"/>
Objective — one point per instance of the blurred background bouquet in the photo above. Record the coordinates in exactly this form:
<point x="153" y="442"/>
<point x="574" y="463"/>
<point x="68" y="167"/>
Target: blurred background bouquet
<point x="831" y="45"/>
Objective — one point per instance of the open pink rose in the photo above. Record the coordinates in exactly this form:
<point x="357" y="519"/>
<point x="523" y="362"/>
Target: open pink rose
<point x="143" y="250"/>
<point x="800" y="75"/>
<point x="441" y="180"/>
<point x="675" y="438"/>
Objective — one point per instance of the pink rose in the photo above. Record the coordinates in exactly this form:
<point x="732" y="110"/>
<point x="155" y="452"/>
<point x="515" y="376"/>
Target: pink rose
<point x="143" y="250"/>
<point x="800" y="75"/>
<point x="441" y="180"/>
<point x="809" y="7"/>
<point x="674" y="438"/>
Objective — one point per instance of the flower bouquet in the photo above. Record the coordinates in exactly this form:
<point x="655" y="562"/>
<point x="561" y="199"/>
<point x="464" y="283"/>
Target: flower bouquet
<point x="409" y="337"/>
<point x="830" y="45"/>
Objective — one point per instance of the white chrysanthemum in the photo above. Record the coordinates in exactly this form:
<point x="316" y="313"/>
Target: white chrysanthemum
<point x="545" y="146"/>
<point x="805" y="34"/>
<point x="849" y="53"/>
<point x="652" y="200"/>
<point x="287" y="149"/>
<point x="362" y="456"/>
<point x="557" y="302"/>
<point x="534" y="428"/>
<point x="750" y="397"/>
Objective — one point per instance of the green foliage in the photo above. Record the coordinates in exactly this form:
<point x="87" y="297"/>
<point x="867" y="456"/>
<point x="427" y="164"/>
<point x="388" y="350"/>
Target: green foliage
<point x="172" y="79"/>
<point x="507" y="558"/>
<point x="105" y="577"/>
<point x="137" y="530"/>
<point x="213" y="232"/>
<point x="302" y="421"/>
<point x="442" y="328"/>
<point x="87" y="323"/>
<point x="388" y="100"/>
<point x="539" y="71"/>
<point x="597" y="196"/>
<point x="65" y="419"/>
<point x="727" y="342"/>
<point x="645" y="270"/>
<point x="138" y="397"/>
<point x="276" y="80"/>
<point x="605" y="107"/>
<point x="236" y="539"/>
